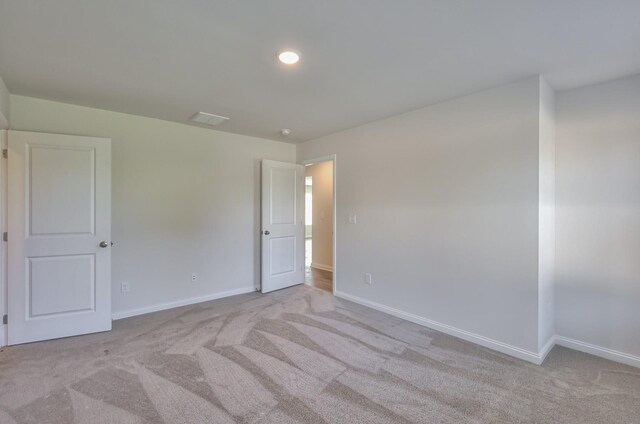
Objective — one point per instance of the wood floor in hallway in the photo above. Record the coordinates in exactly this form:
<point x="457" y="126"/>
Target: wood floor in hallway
<point x="319" y="278"/>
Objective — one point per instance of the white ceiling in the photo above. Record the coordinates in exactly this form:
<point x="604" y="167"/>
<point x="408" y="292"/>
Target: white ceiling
<point x="362" y="60"/>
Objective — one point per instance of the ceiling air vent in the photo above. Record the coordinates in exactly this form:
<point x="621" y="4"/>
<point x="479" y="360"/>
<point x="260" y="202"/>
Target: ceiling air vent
<point x="208" y="119"/>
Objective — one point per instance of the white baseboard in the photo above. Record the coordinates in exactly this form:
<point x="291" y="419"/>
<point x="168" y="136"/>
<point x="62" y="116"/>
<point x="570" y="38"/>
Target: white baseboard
<point x="536" y="358"/>
<point x="505" y="348"/>
<point x="3" y="335"/>
<point x="322" y="267"/>
<point x="548" y="346"/>
<point x="602" y="352"/>
<point x="169" y="305"/>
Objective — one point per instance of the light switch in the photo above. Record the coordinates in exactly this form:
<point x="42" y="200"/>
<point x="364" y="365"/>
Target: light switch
<point x="352" y="218"/>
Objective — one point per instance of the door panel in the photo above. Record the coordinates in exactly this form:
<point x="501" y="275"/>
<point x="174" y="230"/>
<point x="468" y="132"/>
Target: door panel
<point x="283" y="196"/>
<point x="68" y="211"/>
<point x="59" y="212"/>
<point x="61" y="284"/>
<point x="283" y="254"/>
<point x="282" y="225"/>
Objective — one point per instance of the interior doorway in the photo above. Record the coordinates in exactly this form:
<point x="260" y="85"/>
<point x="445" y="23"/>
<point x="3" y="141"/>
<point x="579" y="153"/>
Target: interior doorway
<point x="319" y="224"/>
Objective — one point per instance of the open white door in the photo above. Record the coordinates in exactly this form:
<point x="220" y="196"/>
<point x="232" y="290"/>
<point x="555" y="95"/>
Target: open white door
<point x="59" y="220"/>
<point x="282" y="225"/>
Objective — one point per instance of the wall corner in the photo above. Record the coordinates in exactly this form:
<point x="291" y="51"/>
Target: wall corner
<point x="5" y="103"/>
<point x="546" y="213"/>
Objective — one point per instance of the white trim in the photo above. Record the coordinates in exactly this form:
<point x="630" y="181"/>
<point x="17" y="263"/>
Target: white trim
<point x="602" y="352"/>
<point x="548" y="346"/>
<point x="169" y="305"/>
<point x="3" y="246"/>
<point x="536" y="358"/>
<point x="334" y="159"/>
<point x="322" y="267"/>
<point x="326" y="158"/>
<point x="508" y="349"/>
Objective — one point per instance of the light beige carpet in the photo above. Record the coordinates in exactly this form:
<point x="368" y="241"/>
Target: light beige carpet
<point x="300" y="356"/>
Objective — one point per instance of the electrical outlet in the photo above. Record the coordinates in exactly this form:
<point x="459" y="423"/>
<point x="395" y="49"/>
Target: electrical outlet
<point x="125" y="287"/>
<point x="194" y="276"/>
<point x="367" y="278"/>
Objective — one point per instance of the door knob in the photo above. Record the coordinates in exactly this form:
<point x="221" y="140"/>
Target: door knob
<point x="104" y="244"/>
<point x="266" y="233"/>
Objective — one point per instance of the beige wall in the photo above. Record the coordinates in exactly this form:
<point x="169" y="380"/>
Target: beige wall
<point x="446" y="199"/>
<point x="322" y="192"/>
<point x="4" y="105"/>
<point x="598" y="215"/>
<point x="185" y="199"/>
<point x="546" y="215"/>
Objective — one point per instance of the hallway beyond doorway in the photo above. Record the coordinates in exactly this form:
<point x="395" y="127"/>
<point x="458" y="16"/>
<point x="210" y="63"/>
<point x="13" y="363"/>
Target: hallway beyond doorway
<point x="314" y="277"/>
<point x="319" y="278"/>
<point x="319" y="208"/>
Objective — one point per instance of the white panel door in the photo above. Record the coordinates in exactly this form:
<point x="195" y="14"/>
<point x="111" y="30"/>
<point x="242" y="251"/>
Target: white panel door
<point x="59" y="221"/>
<point x="282" y="225"/>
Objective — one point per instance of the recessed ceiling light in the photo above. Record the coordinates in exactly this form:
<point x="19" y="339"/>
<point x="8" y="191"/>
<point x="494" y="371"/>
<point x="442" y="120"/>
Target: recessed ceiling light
<point x="285" y="131"/>
<point x="289" y="56"/>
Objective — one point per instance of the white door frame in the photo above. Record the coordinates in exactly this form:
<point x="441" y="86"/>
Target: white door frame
<point x="3" y="244"/>
<point x="331" y="158"/>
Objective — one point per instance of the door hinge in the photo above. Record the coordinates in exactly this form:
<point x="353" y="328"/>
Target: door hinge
<point x="5" y="319"/>
<point x="5" y="153"/>
<point x="5" y="236"/>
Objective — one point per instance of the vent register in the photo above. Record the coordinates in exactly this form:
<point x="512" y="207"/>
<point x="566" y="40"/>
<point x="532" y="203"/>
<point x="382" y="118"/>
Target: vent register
<point x="208" y="119"/>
